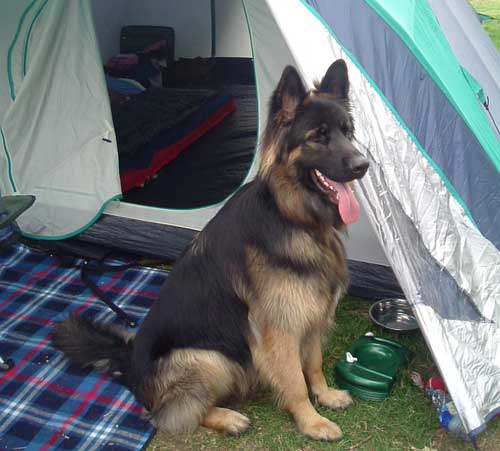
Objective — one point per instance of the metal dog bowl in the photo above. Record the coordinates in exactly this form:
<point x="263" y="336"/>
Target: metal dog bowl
<point x="393" y="314"/>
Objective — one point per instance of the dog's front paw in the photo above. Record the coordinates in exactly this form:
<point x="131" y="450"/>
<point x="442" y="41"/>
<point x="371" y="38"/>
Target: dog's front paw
<point x="334" y="399"/>
<point x="321" y="429"/>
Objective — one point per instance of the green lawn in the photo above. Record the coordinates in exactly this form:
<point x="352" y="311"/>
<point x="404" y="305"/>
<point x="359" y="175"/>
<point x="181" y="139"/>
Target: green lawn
<point x="405" y="421"/>
<point x="490" y="8"/>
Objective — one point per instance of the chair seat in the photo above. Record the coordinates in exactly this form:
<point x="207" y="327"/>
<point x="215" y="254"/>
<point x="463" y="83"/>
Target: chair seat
<point x="11" y="207"/>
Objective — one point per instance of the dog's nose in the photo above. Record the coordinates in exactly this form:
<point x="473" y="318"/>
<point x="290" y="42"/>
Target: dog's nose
<point x="358" y="166"/>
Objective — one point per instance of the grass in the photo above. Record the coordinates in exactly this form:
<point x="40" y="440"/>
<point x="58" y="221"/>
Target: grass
<point x="405" y="421"/>
<point x="490" y="8"/>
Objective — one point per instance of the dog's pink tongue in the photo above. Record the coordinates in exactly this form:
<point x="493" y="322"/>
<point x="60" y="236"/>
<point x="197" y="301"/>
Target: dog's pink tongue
<point x="348" y="205"/>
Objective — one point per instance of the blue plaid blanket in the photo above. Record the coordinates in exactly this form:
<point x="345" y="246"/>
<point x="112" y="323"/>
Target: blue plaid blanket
<point x="45" y="404"/>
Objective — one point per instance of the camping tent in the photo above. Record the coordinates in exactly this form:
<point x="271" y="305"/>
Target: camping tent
<point x="431" y="197"/>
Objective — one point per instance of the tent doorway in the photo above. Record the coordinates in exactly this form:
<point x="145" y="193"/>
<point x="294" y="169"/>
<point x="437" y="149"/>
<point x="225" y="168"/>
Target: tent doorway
<point x="184" y="103"/>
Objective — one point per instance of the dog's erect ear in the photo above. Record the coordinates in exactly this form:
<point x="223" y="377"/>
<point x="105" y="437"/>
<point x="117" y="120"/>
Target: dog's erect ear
<point x="336" y="81"/>
<point x="288" y="95"/>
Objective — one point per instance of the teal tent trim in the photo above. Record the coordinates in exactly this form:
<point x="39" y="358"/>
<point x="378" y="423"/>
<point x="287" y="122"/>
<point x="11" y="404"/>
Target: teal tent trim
<point x="79" y="231"/>
<point x="9" y="161"/>
<point x="28" y="37"/>
<point x="428" y="44"/>
<point x="475" y="86"/>
<point x="11" y="49"/>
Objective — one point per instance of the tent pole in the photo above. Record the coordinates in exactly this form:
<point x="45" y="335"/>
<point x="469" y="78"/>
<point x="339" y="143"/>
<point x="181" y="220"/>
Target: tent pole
<point x="212" y="15"/>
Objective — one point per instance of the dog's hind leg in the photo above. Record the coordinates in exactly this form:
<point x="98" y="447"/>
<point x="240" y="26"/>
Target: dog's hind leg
<point x="186" y="387"/>
<point x="277" y="359"/>
<point x="226" y="420"/>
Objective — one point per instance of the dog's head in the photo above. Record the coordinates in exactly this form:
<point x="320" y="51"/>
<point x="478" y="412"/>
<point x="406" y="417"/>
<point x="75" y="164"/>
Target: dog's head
<point x="310" y="134"/>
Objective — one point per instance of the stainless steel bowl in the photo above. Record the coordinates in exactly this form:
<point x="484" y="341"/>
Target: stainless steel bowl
<point x="393" y="314"/>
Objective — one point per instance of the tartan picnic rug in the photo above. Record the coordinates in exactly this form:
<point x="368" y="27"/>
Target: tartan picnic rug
<point x="45" y="404"/>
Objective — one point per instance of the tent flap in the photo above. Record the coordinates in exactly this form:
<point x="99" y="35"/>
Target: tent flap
<point x="423" y="201"/>
<point x="58" y="139"/>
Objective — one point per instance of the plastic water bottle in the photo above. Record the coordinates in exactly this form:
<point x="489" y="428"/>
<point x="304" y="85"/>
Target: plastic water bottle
<point x="436" y="391"/>
<point x="448" y="415"/>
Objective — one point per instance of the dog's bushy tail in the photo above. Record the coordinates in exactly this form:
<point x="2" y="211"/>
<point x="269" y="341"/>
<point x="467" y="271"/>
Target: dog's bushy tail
<point x="107" y="348"/>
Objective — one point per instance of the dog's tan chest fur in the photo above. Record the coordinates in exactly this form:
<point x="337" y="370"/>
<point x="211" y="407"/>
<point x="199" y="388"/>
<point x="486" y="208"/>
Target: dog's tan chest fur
<point x="281" y="298"/>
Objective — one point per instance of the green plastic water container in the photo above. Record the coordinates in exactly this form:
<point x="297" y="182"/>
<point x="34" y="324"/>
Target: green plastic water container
<point x="370" y="367"/>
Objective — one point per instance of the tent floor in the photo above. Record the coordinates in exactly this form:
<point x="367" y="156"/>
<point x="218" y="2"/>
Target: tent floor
<point x="163" y="241"/>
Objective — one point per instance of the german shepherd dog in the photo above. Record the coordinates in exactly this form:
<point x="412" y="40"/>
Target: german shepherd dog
<point x="251" y="298"/>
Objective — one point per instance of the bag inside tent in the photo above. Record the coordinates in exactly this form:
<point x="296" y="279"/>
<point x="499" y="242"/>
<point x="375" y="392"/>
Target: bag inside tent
<point x="183" y="98"/>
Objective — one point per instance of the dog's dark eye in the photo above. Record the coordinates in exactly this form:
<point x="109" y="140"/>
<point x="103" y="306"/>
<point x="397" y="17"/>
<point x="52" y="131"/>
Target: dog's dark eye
<point x="346" y="129"/>
<point x="322" y="136"/>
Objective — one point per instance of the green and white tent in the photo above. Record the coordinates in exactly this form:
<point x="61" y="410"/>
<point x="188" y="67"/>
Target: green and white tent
<point x="425" y="88"/>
